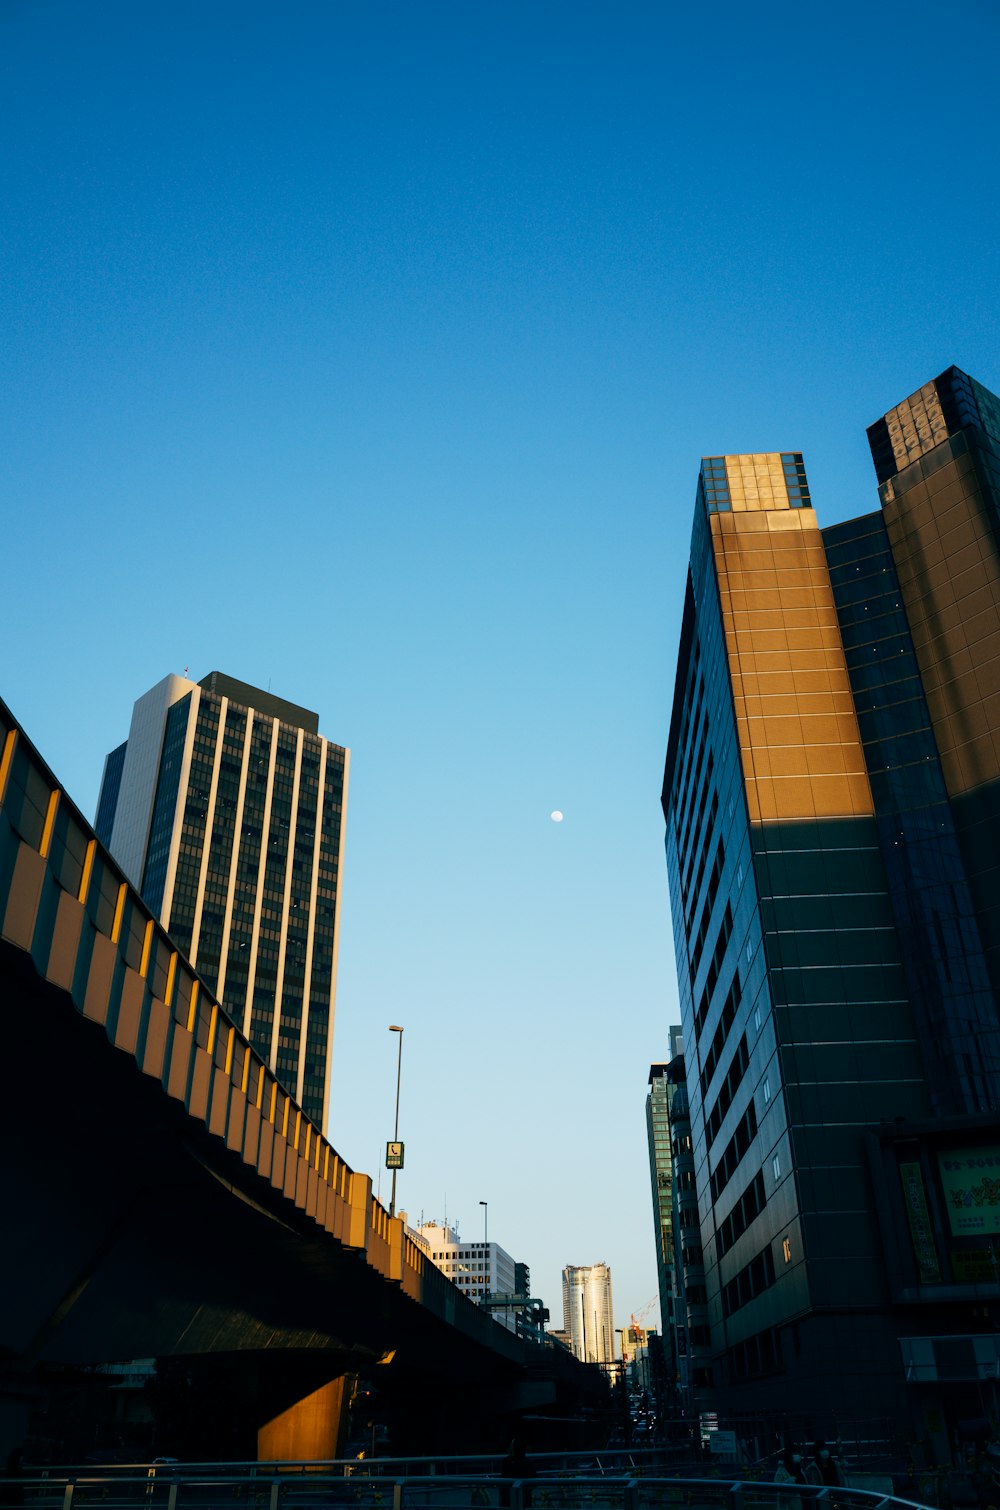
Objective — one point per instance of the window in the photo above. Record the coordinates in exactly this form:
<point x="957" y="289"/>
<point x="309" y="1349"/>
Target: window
<point x="749" y="1206"/>
<point x="735" y="1149"/>
<point x="753" y="1278"/>
<point x="795" y="480"/>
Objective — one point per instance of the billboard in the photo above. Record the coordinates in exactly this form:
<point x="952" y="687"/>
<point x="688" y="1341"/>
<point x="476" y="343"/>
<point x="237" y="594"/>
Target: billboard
<point x="918" y="1216"/>
<point x="970" y="1179"/>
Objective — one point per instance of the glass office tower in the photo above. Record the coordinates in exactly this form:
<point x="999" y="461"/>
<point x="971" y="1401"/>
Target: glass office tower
<point x="832" y="802"/>
<point x="943" y="959"/>
<point x="225" y="808"/>
<point x="661" y="1176"/>
<point x="937" y="458"/>
<point x="588" y="1318"/>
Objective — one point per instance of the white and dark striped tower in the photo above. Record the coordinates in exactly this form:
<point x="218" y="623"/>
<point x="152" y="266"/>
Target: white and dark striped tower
<point x="225" y="807"/>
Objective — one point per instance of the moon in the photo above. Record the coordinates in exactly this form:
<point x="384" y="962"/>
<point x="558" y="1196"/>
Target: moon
<point x="556" y="816"/>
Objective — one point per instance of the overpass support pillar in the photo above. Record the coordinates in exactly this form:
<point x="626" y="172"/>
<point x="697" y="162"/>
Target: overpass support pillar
<point x="314" y="1427"/>
<point x="18" y="1393"/>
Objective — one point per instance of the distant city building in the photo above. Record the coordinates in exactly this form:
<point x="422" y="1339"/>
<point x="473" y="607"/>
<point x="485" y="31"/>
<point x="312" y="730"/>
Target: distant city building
<point x="662" y="1188"/>
<point x="832" y="805"/>
<point x="588" y="1316"/>
<point x="225" y="808"/>
<point x="477" y="1269"/>
<point x="636" y="1346"/>
<point x="528" y="1318"/>
<point x="688" y="1267"/>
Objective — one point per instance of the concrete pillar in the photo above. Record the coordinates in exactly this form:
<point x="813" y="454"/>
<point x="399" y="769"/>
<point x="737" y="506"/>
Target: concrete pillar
<point x="18" y="1392"/>
<point x="359" y="1222"/>
<point x="314" y="1427"/>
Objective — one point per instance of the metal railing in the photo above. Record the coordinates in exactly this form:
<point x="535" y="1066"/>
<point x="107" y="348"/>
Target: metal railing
<point x="434" y="1485"/>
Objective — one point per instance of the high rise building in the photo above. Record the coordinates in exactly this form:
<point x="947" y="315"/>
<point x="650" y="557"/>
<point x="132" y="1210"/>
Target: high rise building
<point x="832" y="802"/>
<point x="225" y="808"/>
<point x="588" y="1318"/>
<point x="661" y="1174"/>
<point x="691" y="1333"/>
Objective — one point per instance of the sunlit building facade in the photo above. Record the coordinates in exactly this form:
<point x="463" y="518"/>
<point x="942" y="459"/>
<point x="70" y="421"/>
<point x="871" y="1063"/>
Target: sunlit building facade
<point x="225" y="808"/>
<point x="588" y="1316"/>
<point x="832" y="803"/>
<point x="479" y="1270"/>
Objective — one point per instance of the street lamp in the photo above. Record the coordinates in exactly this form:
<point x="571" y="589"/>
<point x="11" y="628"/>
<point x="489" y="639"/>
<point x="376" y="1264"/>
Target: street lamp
<point x="395" y="1028"/>
<point x="486" y="1241"/>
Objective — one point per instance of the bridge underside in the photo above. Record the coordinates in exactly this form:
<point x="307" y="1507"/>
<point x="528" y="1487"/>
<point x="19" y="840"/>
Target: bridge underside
<point x="165" y="1198"/>
<point x="134" y="1234"/>
<point x="138" y="1235"/>
<point x="129" y="1237"/>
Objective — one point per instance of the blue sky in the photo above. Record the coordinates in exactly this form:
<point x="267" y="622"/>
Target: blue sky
<point x="369" y="351"/>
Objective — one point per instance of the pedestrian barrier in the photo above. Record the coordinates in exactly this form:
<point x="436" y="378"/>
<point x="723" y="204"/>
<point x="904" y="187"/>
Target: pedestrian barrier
<point x="435" y="1485"/>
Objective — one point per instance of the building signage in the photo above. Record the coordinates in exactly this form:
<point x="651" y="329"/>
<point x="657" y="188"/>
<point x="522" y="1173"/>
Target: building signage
<point x="970" y="1178"/>
<point x="974" y="1266"/>
<point x="394" y="1156"/>
<point x="918" y="1216"/>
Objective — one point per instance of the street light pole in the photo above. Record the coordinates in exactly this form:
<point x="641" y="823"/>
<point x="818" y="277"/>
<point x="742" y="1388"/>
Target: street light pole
<point x="486" y="1241"/>
<point x="395" y="1028"/>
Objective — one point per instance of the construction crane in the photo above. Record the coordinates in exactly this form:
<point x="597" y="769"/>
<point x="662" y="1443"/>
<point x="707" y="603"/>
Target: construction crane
<point x="638" y="1316"/>
<point x="636" y="1319"/>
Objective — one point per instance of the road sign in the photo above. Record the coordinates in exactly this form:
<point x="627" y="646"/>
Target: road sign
<point x="394" y="1156"/>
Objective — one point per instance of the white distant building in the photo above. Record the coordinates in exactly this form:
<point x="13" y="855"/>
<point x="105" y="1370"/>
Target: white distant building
<point x="587" y="1315"/>
<point x="476" y="1268"/>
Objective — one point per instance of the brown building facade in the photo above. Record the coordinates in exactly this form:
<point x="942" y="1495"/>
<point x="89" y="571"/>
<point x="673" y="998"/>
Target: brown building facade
<point x="833" y="837"/>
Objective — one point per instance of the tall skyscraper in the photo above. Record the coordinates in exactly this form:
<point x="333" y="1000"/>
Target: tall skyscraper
<point x="689" y="1263"/>
<point x="225" y="808"/>
<point x="661" y="1174"/>
<point x="832" y="802"/>
<point x="588" y="1318"/>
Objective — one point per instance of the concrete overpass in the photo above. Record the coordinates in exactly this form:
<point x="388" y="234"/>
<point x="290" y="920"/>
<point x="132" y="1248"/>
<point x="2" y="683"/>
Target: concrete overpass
<point x="165" y="1197"/>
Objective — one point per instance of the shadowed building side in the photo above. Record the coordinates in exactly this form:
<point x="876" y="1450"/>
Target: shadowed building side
<point x="944" y="962"/>
<point x="661" y="1176"/>
<point x="937" y="457"/>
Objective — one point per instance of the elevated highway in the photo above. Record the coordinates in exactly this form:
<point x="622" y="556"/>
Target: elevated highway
<point x="165" y="1196"/>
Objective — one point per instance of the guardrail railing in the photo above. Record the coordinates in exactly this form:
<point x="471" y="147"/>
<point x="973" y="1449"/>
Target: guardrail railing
<point x="353" y="1485"/>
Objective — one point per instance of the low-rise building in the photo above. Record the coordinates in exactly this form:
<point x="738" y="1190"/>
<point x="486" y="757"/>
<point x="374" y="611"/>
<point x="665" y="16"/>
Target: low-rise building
<point x="477" y="1269"/>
